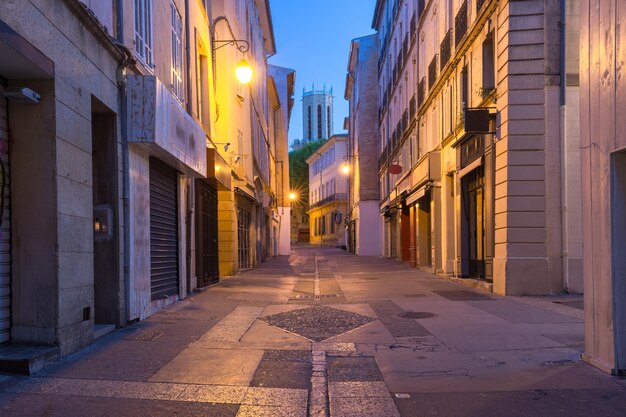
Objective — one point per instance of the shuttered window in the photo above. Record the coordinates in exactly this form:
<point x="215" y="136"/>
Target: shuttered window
<point x="163" y="230"/>
<point x="5" y="226"/>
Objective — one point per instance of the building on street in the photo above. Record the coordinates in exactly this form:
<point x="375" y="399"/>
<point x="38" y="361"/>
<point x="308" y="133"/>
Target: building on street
<point x="137" y="166"/>
<point x="603" y="184"/>
<point x="328" y="192"/>
<point x="363" y="218"/>
<point x="480" y="175"/>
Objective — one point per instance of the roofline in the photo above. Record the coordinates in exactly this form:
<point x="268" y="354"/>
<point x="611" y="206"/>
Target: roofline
<point x="377" y="13"/>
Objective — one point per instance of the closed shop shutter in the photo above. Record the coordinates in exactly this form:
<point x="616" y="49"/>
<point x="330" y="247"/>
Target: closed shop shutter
<point x="5" y="226"/>
<point x="393" y="236"/>
<point x="163" y="230"/>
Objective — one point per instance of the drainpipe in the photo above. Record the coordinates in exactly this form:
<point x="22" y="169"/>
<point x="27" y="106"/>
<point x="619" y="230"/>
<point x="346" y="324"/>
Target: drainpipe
<point x="190" y="185"/>
<point x="563" y="145"/>
<point x="125" y="160"/>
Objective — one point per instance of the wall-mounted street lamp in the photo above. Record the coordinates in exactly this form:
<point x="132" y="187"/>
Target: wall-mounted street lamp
<point x="243" y="70"/>
<point x="293" y="196"/>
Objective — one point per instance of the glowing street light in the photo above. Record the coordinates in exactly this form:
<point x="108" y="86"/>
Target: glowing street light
<point x="293" y="196"/>
<point x="345" y="168"/>
<point x="244" y="72"/>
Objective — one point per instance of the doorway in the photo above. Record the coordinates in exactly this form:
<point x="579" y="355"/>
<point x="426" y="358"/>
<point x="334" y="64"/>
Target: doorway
<point x="473" y="217"/>
<point x="207" y="259"/>
<point x="618" y="248"/>
<point x="105" y="219"/>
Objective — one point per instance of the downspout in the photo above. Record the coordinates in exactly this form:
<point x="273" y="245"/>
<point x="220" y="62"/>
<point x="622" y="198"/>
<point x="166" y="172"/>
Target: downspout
<point x="189" y="202"/>
<point x="123" y="102"/>
<point x="563" y="145"/>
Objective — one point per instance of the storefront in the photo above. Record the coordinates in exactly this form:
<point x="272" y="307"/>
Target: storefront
<point x="476" y="223"/>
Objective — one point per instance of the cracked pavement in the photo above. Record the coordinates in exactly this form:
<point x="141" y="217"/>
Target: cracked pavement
<point x="326" y="334"/>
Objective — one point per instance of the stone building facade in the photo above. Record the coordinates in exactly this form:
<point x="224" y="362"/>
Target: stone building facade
<point x="487" y="186"/>
<point x="125" y="162"/>
<point x="363" y="218"/>
<point x="603" y="144"/>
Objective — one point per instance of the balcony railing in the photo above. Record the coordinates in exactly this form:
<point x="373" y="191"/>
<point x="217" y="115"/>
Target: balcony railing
<point x="405" y="46"/>
<point x="479" y="4"/>
<point x="421" y="6"/>
<point x="460" y="24"/>
<point x="445" y="49"/>
<point x="412" y="108"/>
<point x="405" y="121"/>
<point x="413" y="26"/>
<point x="331" y="198"/>
<point x="421" y="91"/>
<point x="432" y="72"/>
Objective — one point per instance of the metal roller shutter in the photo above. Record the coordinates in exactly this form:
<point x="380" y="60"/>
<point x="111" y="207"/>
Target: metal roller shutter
<point x="394" y="237"/>
<point x="163" y="230"/>
<point x="5" y="226"/>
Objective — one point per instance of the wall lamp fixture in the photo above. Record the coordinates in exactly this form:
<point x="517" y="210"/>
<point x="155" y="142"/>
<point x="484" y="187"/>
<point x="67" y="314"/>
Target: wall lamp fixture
<point x="243" y="70"/>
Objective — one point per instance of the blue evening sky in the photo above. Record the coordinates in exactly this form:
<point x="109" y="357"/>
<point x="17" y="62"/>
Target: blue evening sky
<point x="313" y="37"/>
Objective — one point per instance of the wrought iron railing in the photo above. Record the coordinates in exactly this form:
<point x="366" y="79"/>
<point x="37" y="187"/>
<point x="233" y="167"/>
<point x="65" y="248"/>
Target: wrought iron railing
<point x="421" y="91"/>
<point x="479" y="4"/>
<point x="460" y="24"/>
<point x="432" y="72"/>
<point x="445" y="49"/>
<point x="412" y="108"/>
<point x="330" y="199"/>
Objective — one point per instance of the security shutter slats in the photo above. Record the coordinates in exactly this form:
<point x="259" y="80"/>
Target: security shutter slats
<point x="164" y="264"/>
<point x="5" y="226"/>
<point x="394" y="238"/>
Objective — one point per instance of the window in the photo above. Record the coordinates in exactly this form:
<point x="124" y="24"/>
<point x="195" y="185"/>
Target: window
<point x="177" y="53"/>
<point x="328" y="118"/>
<point x="319" y="121"/>
<point x="309" y="122"/>
<point x="488" y="64"/>
<point x="143" y="31"/>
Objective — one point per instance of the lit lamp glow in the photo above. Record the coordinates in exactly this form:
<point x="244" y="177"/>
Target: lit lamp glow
<point x="244" y="72"/>
<point x="345" y="169"/>
<point x="293" y="196"/>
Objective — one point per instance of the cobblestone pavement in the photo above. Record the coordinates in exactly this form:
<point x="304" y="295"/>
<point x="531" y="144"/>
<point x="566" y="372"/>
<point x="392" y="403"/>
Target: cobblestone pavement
<point x="326" y="334"/>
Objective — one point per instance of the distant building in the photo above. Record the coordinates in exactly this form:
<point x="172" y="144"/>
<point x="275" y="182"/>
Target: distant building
<point x="317" y="116"/>
<point x="328" y="193"/>
<point x="363" y="215"/>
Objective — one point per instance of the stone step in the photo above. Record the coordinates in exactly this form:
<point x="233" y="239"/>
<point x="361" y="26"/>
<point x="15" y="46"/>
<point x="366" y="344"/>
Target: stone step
<point x="26" y="359"/>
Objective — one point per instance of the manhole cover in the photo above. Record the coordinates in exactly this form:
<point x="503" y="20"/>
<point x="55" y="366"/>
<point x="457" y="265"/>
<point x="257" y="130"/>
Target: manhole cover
<point x="317" y="323"/>
<point x="417" y="315"/>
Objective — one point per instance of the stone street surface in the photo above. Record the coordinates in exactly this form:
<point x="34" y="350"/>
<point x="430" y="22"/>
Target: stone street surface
<point x="324" y="333"/>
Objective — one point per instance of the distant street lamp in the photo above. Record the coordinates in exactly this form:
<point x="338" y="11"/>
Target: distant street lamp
<point x="293" y="196"/>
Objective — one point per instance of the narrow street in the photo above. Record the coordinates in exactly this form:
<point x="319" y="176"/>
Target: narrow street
<point x="324" y="333"/>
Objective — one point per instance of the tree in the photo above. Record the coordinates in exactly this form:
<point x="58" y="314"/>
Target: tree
<point x="299" y="169"/>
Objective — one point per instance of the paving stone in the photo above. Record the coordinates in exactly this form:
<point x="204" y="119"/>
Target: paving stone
<point x="317" y="323"/>
<point x="358" y="369"/>
<point x="287" y="355"/>
<point x="276" y="397"/>
<point x="221" y="394"/>
<point x="358" y="389"/>
<point x="265" y="411"/>
<point x="282" y="375"/>
<point x="363" y="407"/>
<point x="461" y="295"/>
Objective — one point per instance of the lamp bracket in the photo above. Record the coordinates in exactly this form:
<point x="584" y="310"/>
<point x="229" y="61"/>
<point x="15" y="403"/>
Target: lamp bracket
<point x="241" y="44"/>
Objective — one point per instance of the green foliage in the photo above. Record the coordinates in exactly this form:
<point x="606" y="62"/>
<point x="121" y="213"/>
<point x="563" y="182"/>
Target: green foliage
<point x="299" y="170"/>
